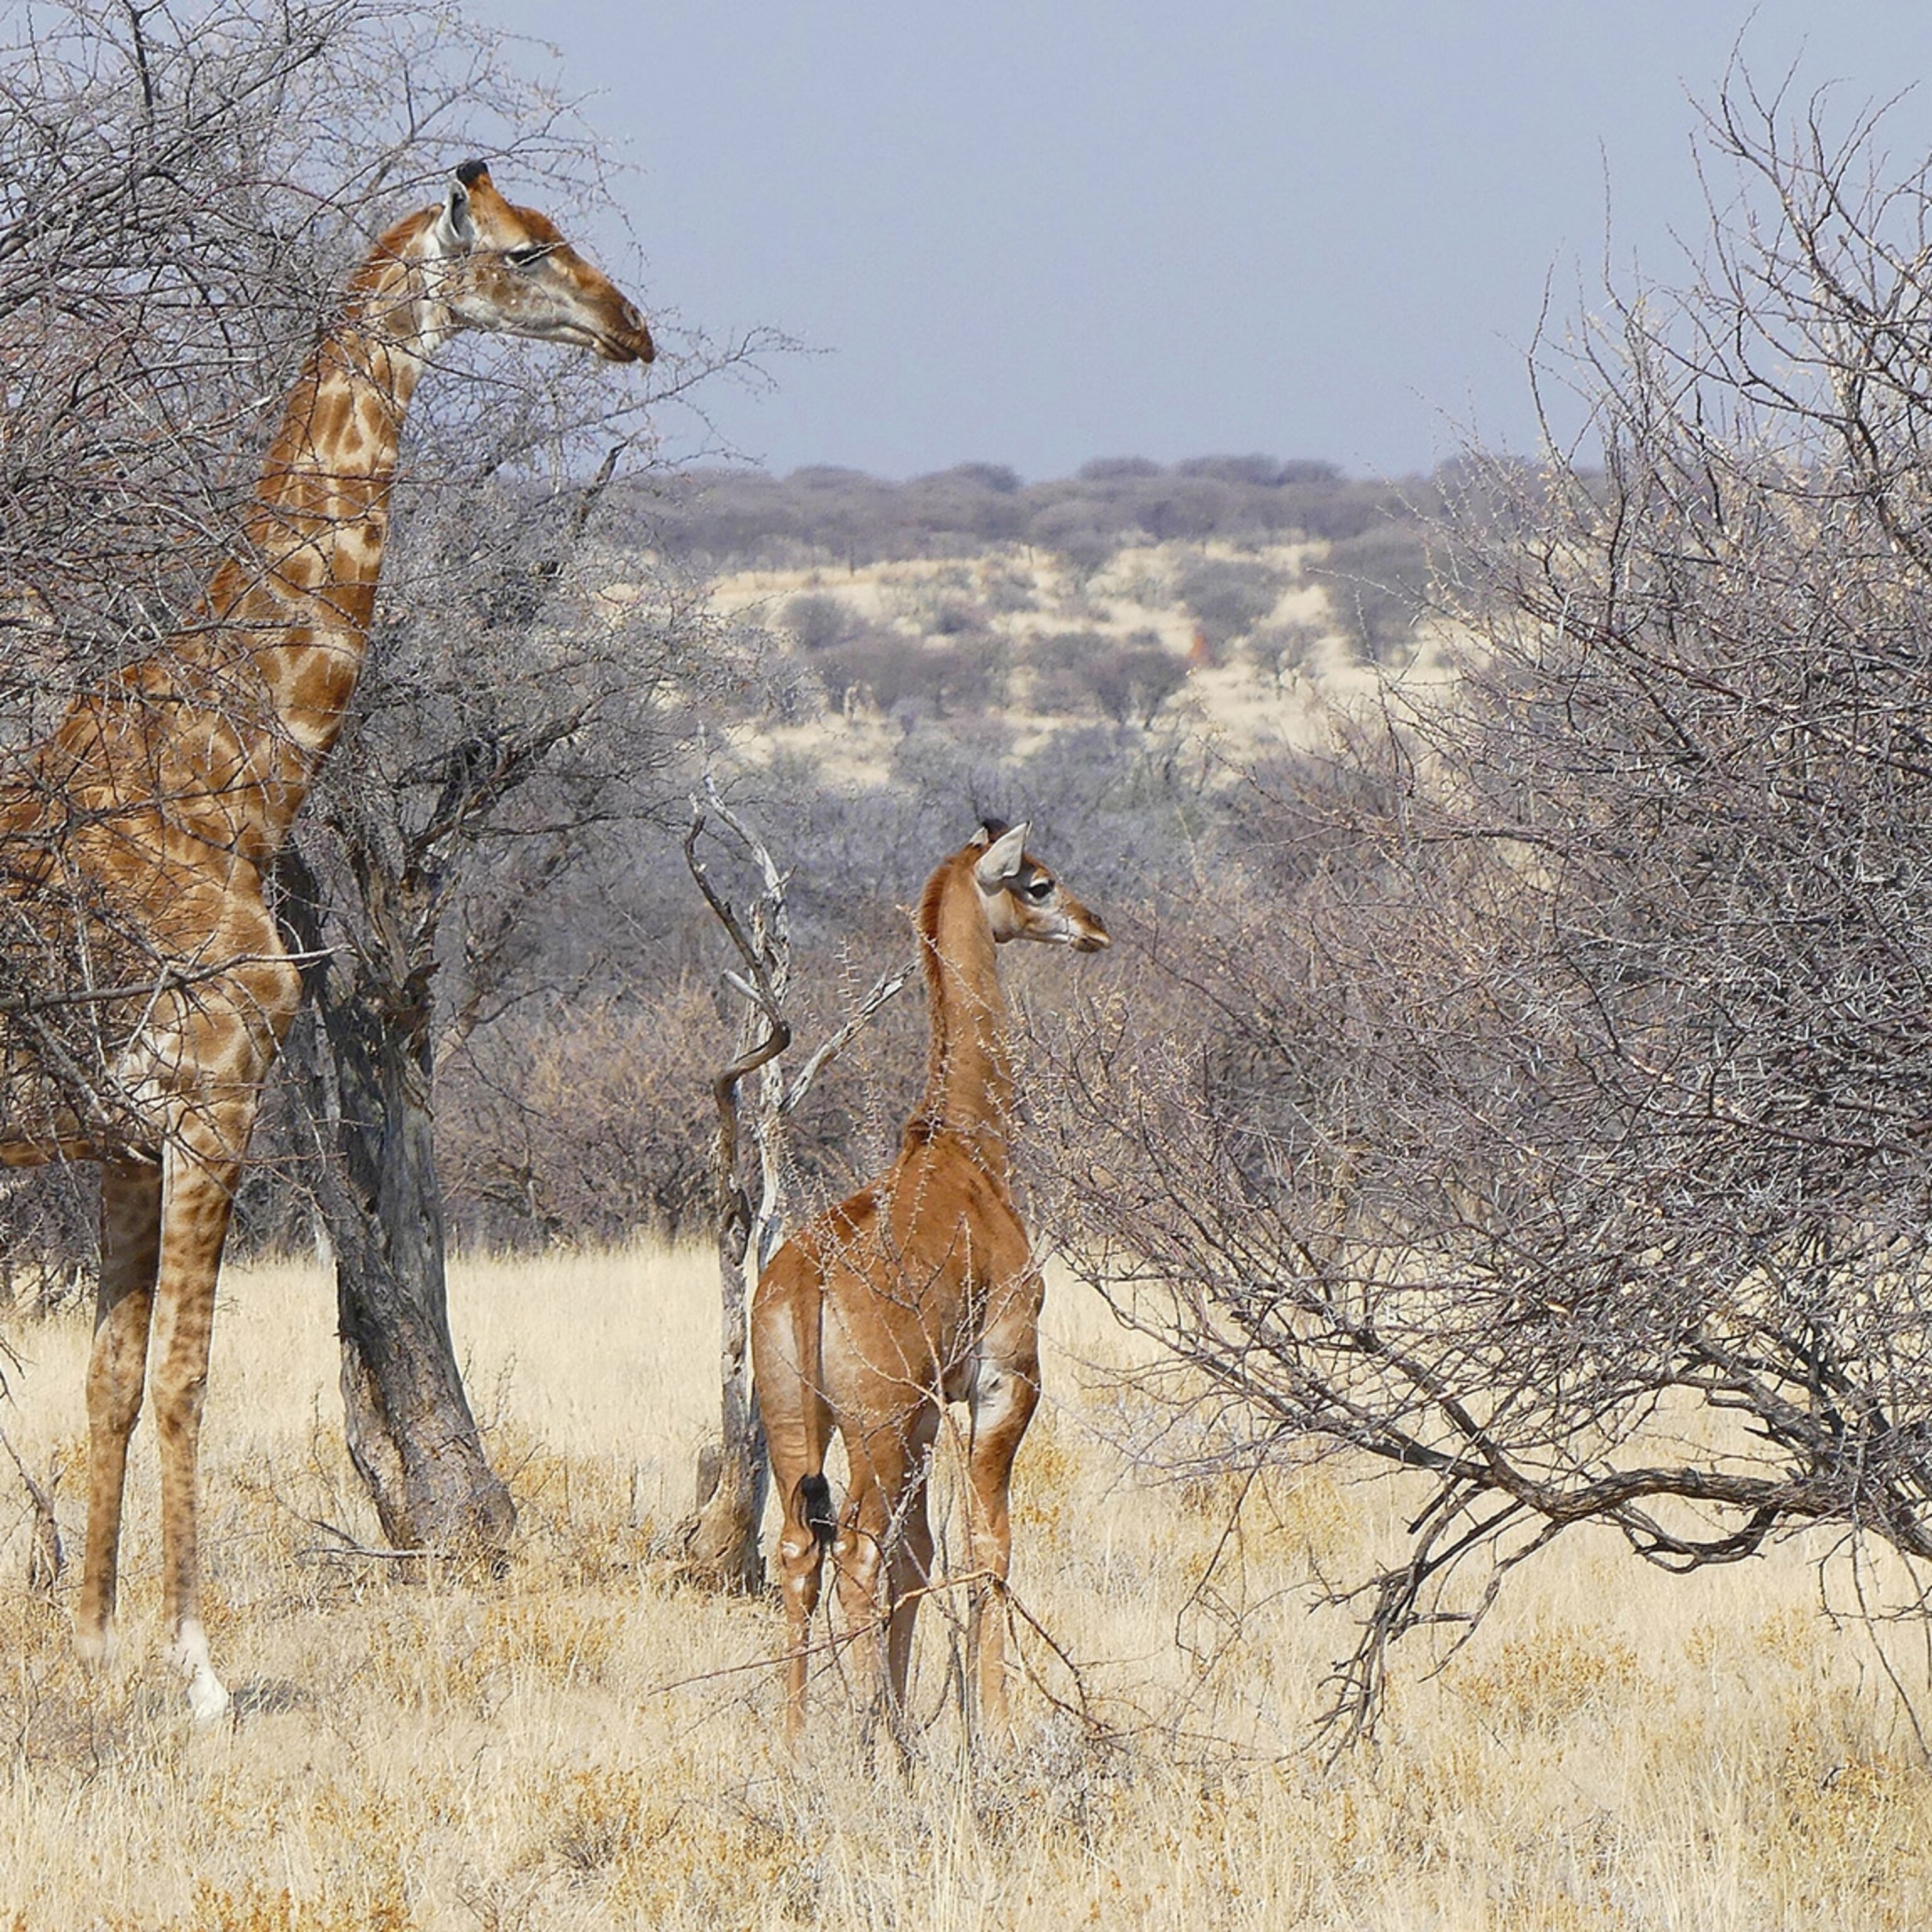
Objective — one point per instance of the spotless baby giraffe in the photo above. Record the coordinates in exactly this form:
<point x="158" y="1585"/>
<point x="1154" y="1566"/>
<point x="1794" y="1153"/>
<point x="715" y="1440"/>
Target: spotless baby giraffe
<point x="149" y="820"/>
<point x="920" y="1290"/>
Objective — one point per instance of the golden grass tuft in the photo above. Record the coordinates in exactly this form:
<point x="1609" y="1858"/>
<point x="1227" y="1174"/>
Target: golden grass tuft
<point x="578" y="1743"/>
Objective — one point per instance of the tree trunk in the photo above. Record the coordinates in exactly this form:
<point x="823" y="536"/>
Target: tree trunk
<point x="721" y="1542"/>
<point x="411" y="1434"/>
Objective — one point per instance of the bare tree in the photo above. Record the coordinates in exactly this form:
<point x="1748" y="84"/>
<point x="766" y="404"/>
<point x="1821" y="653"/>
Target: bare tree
<point x="721" y="1541"/>
<point x="511" y="718"/>
<point x="181" y="188"/>
<point x="1560" y="1132"/>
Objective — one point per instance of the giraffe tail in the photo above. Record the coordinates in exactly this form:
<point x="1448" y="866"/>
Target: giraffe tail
<point x="791" y="1295"/>
<point x="813" y="1499"/>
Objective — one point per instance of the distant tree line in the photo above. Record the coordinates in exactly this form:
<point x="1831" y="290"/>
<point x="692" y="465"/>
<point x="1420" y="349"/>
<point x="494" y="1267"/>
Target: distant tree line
<point x="1366" y="550"/>
<point x="573" y="1051"/>
<point x="731" y="519"/>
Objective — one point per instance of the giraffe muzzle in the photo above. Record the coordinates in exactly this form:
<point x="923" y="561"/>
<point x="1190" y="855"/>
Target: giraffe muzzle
<point x="629" y="342"/>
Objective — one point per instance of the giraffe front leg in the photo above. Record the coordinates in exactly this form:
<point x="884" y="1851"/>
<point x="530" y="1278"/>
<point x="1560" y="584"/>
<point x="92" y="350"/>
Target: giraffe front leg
<point x="131" y="1237"/>
<point x="1005" y="1395"/>
<point x="197" y="1202"/>
<point x="907" y="1469"/>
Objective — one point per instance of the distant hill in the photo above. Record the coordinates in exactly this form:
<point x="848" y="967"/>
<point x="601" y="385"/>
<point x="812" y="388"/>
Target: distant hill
<point x="1369" y="532"/>
<point x="737" y="519"/>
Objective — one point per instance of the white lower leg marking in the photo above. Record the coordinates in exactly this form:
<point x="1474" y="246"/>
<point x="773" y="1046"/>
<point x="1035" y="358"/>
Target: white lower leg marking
<point x="96" y="1649"/>
<point x="995" y="1396"/>
<point x="207" y="1695"/>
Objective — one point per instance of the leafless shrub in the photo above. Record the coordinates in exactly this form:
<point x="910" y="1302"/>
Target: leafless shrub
<point x="583" y="1123"/>
<point x="179" y="188"/>
<point x="900" y="675"/>
<point x="959" y="617"/>
<point x="816" y="621"/>
<point x="1008" y="591"/>
<point x="1131" y="682"/>
<point x="1378" y="582"/>
<point x="1554" y="1126"/>
<point x="1281" y="650"/>
<point x="1075" y="671"/>
<point x="1077" y="534"/>
<point x="1227" y="597"/>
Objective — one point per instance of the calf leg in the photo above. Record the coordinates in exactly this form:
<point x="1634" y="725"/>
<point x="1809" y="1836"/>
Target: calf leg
<point x="909" y="1566"/>
<point x="807" y="1526"/>
<point x="858" y="1557"/>
<point x="798" y="1425"/>
<point x="1005" y="1394"/>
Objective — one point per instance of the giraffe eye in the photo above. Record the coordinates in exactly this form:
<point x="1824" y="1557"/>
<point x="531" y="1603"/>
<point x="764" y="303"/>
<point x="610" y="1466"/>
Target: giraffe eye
<point x="1041" y="888"/>
<point x="526" y="258"/>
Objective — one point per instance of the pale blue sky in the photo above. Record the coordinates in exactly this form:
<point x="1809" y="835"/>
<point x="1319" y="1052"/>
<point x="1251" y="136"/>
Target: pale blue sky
<point x="1033" y="232"/>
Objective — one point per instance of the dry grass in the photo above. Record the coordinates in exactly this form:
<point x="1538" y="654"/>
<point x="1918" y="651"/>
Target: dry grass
<point x="572" y="1748"/>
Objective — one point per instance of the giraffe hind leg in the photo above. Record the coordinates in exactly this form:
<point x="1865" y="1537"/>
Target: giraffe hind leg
<point x="884" y="1554"/>
<point x="131" y="1239"/>
<point x="803" y="1542"/>
<point x="797" y="1426"/>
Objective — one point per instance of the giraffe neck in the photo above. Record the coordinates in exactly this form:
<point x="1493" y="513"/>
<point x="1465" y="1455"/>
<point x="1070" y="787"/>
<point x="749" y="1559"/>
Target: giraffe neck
<point x="287" y="617"/>
<point x="969" y="1086"/>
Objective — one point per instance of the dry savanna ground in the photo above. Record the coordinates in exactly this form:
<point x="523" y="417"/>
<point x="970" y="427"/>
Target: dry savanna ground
<point x="576" y="1743"/>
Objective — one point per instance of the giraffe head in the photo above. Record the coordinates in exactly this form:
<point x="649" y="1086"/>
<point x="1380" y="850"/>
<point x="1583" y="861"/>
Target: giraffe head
<point x="488" y="264"/>
<point x="1023" y="900"/>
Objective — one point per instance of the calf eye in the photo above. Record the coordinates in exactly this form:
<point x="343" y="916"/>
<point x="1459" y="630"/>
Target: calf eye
<point x="1040" y="889"/>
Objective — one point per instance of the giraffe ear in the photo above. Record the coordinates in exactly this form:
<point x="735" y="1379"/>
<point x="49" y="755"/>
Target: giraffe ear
<point x="1002" y="858"/>
<point x="455" y="230"/>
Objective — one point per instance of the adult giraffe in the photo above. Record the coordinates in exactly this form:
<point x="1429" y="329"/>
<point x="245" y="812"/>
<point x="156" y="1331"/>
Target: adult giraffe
<point x="918" y="1291"/>
<point x="149" y="820"/>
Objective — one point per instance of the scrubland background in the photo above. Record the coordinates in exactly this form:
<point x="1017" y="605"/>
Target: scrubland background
<point x="875" y="666"/>
<point x="579" y="1743"/>
<point x="1513" y="1067"/>
<point x="582" y="1742"/>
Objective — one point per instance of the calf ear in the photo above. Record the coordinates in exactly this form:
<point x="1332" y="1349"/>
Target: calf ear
<point x="455" y="231"/>
<point x="1002" y="858"/>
